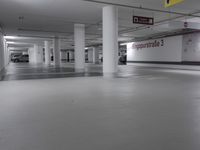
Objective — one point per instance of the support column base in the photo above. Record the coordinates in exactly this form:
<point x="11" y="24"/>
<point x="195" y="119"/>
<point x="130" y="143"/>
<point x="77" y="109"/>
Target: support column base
<point x="110" y="75"/>
<point x="2" y="72"/>
<point x="78" y="70"/>
<point x="56" y="66"/>
<point x="48" y="64"/>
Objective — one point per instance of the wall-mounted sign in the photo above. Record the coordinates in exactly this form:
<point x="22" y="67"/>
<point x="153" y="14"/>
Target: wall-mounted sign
<point x="143" y="20"/>
<point x="169" y="3"/>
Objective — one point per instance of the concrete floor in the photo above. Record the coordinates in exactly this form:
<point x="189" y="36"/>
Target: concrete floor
<point x="142" y="108"/>
<point x="22" y="71"/>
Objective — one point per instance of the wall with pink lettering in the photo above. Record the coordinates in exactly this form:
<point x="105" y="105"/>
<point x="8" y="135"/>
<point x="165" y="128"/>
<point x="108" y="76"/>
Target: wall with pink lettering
<point x="160" y="50"/>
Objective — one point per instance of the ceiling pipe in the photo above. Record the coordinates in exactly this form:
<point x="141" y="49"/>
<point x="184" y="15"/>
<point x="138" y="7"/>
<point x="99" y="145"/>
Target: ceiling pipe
<point x="35" y="36"/>
<point x="142" y="8"/>
<point x="40" y="30"/>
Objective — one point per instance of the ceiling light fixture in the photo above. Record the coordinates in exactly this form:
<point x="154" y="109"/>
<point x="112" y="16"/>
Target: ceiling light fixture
<point x="10" y="37"/>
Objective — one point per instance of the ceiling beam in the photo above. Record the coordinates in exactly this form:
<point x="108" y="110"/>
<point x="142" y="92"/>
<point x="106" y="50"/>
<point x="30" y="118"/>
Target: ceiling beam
<point x="142" y="8"/>
<point x="142" y="27"/>
<point x="50" y="31"/>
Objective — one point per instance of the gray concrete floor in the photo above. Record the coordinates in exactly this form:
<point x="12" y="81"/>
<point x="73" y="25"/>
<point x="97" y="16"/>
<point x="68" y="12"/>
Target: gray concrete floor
<point x="142" y="108"/>
<point x="26" y="71"/>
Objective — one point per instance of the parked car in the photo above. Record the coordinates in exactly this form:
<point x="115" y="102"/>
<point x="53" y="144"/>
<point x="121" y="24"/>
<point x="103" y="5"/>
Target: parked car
<point x="20" y="58"/>
<point x="122" y="60"/>
<point x="13" y="57"/>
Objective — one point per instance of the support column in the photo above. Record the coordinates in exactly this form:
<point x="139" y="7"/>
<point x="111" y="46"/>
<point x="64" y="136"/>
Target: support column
<point x="110" y="39"/>
<point x="56" y="49"/>
<point x="2" y="65"/>
<point x="95" y="55"/>
<point x="31" y="55"/>
<point x="5" y="53"/>
<point x="71" y="56"/>
<point x="47" y="52"/>
<point x="37" y="54"/>
<point x="63" y="56"/>
<point x="79" y="39"/>
<point x="90" y="55"/>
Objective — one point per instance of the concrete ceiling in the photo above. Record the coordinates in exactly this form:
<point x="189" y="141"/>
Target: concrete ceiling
<point x="45" y="19"/>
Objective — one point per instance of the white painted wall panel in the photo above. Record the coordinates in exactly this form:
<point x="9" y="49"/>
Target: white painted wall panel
<point x="191" y="47"/>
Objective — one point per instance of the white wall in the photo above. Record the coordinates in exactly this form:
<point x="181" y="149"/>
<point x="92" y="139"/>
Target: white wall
<point x="163" y="50"/>
<point x="191" y="47"/>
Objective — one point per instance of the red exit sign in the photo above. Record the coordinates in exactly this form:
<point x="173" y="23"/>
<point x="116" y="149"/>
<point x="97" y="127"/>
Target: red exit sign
<point x="143" y="20"/>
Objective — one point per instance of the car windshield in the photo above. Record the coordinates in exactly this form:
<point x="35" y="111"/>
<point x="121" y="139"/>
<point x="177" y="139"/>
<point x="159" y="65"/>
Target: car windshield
<point x="16" y="55"/>
<point x="24" y="55"/>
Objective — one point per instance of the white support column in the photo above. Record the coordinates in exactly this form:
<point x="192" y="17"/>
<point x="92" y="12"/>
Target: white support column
<point x="110" y="39"/>
<point x="38" y="54"/>
<point x="31" y="54"/>
<point x="79" y="39"/>
<point x="47" y="52"/>
<point x="71" y="56"/>
<point x="5" y="53"/>
<point x="2" y="65"/>
<point x="56" y="50"/>
<point x="9" y="53"/>
<point x="90" y="55"/>
<point x="95" y="55"/>
<point x="36" y="50"/>
<point x="63" y="56"/>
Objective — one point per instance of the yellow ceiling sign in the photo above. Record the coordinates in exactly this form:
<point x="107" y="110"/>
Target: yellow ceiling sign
<point x="169" y="3"/>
